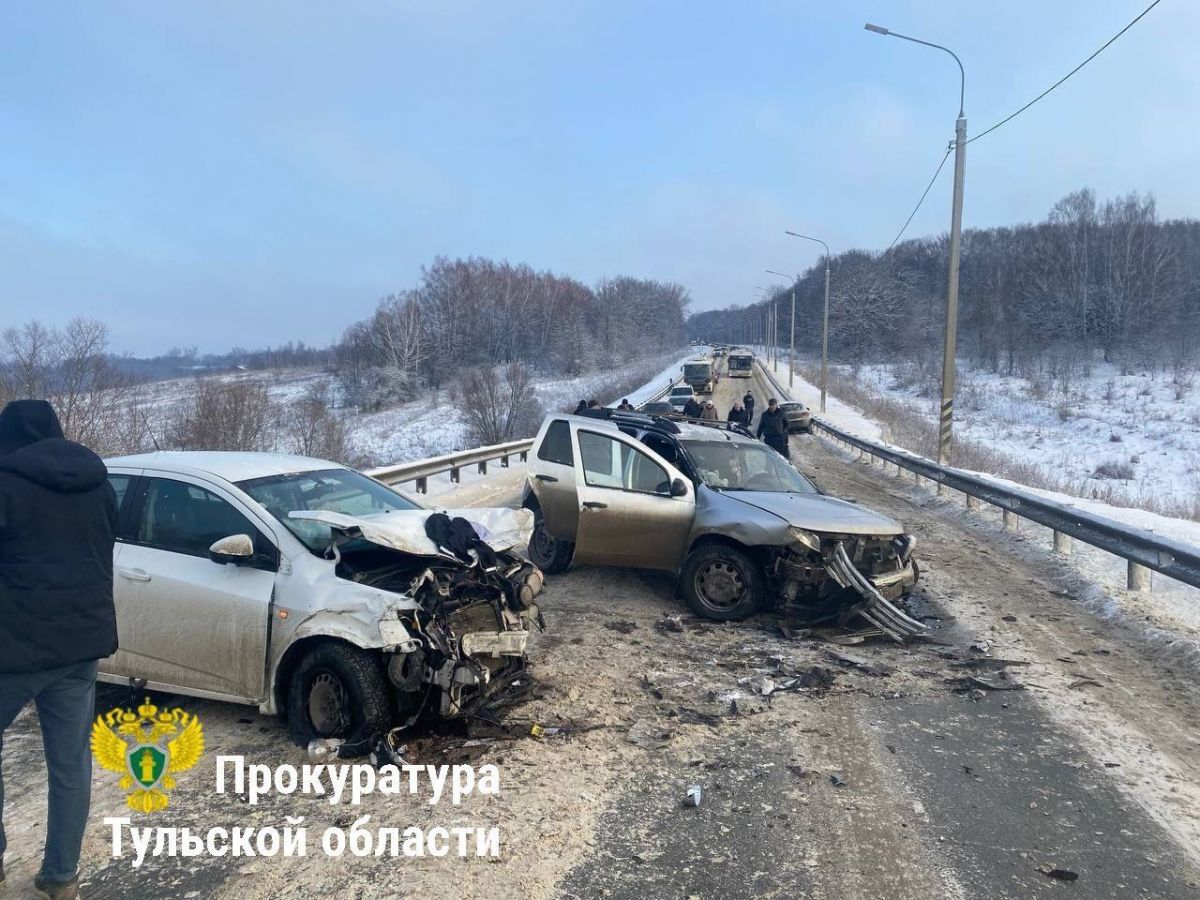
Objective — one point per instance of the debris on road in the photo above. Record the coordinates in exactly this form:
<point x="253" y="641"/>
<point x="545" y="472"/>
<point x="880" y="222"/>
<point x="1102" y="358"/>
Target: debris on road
<point x="621" y="626"/>
<point x="1085" y="682"/>
<point x="693" y="795"/>
<point x="647" y="735"/>
<point x="1001" y="681"/>
<point x="1058" y="874"/>
<point x="856" y="662"/>
<point x="837" y="780"/>
<point x="672" y="624"/>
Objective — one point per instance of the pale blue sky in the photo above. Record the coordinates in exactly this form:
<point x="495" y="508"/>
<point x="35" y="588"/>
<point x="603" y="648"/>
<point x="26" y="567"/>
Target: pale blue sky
<point x="236" y="172"/>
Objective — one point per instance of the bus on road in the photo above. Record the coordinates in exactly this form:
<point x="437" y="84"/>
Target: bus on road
<point x="741" y="363"/>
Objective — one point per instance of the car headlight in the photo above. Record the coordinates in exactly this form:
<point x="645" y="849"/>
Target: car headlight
<point x="807" y="538"/>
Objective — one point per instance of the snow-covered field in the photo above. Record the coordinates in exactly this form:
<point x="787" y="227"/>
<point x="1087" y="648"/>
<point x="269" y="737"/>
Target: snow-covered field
<point x="1130" y="438"/>
<point x="1169" y="616"/>
<point x="436" y="426"/>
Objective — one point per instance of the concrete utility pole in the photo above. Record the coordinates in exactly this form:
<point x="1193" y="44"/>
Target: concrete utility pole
<point x="824" y="318"/>
<point x="946" y="413"/>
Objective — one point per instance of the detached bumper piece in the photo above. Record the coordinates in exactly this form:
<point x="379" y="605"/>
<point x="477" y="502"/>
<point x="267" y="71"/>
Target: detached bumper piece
<point x="875" y="608"/>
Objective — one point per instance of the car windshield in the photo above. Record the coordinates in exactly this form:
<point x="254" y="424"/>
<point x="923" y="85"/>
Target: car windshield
<point x="736" y="466"/>
<point x="681" y="392"/>
<point x="332" y="490"/>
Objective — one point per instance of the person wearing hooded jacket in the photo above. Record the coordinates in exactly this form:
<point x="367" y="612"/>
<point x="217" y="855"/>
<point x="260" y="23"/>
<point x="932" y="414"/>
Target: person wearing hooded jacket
<point x="57" y="523"/>
<point x="773" y="429"/>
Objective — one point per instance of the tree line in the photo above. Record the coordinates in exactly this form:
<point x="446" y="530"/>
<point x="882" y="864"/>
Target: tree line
<point x="1094" y="280"/>
<point x="470" y="314"/>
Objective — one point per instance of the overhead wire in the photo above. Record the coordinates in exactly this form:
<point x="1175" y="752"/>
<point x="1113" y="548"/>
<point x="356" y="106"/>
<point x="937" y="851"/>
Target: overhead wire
<point x="928" y="187"/>
<point x="1104" y="47"/>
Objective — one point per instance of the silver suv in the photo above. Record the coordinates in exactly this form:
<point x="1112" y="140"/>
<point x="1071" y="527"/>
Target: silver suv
<point x="738" y="523"/>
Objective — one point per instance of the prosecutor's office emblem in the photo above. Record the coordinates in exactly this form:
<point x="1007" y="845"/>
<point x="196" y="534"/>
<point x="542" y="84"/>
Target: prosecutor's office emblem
<point x="147" y="749"/>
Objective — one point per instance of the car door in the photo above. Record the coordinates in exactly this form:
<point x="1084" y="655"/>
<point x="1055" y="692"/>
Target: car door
<point x="627" y="516"/>
<point x="122" y="482"/>
<point x="184" y="621"/>
<point x="552" y="480"/>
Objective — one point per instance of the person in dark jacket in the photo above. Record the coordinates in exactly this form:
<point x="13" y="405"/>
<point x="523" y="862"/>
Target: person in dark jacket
<point x="772" y="427"/>
<point x="625" y="406"/>
<point x="692" y="408"/>
<point x="581" y="407"/>
<point x="58" y="515"/>
<point x="738" y="414"/>
<point x="748" y="402"/>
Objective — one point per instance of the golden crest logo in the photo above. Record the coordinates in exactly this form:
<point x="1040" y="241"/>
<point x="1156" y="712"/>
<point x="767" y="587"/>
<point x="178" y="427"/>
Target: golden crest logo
<point x="147" y="749"/>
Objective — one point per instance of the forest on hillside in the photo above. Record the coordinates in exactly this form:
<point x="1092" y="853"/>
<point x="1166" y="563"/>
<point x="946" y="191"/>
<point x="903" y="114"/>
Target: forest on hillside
<point x="1092" y="280"/>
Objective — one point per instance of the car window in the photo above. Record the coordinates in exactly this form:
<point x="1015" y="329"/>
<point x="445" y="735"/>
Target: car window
<point x="556" y="446"/>
<point x="120" y="484"/>
<point x="186" y="518"/>
<point x="612" y="464"/>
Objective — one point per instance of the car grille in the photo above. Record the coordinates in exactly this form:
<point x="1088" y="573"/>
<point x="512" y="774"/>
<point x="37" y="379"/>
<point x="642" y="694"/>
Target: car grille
<point x="479" y="616"/>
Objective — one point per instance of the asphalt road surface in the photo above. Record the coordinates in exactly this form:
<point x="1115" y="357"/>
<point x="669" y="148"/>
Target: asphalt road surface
<point x="904" y="784"/>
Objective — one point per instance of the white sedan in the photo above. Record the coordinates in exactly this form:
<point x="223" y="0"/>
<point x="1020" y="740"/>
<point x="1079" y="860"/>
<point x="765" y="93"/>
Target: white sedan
<point x="306" y="588"/>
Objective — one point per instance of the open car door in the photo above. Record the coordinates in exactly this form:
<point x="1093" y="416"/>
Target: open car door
<point x="635" y="508"/>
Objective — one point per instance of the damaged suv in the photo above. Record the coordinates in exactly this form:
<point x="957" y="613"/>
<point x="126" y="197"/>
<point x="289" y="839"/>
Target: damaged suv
<point x="308" y="589"/>
<point x="738" y="524"/>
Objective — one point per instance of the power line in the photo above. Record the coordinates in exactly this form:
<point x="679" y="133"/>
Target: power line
<point x="1068" y="75"/>
<point x="928" y="187"/>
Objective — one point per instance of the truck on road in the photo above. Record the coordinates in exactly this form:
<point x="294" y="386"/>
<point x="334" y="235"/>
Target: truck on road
<point x="698" y="374"/>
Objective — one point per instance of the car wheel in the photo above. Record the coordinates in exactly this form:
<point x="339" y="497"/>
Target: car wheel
<point x="338" y="691"/>
<point x="721" y="582"/>
<point x="549" y="554"/>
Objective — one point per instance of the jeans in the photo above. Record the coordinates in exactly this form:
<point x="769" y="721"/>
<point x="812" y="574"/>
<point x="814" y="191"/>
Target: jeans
<point x="66" y="700"/>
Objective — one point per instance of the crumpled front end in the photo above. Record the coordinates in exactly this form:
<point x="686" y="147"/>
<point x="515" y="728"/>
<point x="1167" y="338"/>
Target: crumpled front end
<point x="840" y="576"/>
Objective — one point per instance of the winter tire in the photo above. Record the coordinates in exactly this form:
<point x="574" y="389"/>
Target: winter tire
<point x="339" y="691"/>
<point x="721" y="582"/>
<point x="549" y="554"/>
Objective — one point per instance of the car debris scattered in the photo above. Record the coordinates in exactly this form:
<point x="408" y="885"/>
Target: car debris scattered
<point x="877" y="670"/>
<point x="837" y="780"/>
<point x="693" y="795"/>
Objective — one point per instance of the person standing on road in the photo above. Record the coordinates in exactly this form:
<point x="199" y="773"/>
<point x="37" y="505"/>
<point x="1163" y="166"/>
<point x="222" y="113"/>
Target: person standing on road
<point x="58" y="517"/>
<point x="581" y="407"/>
<point x="709" y="412"/>
<point x="772" y="427"/>
<point x="738" y="415"/>
<point x="748" y="402"/>
<point x="692" y="408"/>
<point x="625" y="406"/>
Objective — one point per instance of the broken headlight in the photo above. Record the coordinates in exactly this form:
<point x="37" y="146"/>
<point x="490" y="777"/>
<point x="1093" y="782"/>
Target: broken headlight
<point x="806" y="538"/>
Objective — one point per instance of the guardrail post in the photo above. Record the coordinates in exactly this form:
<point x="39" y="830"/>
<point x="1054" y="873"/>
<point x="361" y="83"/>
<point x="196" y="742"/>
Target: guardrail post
<point x="483" y="467"/>
<point x="1010" y="520"/>
<point x="422" y="485"/>
<point x="1062" y="543"/>
<point x="1138" y="577"/>
<point x="524" y="456"/>
<point x="504" y="461"/>
<point x="454" y="475"/>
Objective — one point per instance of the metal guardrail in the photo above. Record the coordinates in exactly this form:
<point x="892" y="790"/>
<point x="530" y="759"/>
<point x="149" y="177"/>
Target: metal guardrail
<point x="1144" y="550"/>
<point x="422" y="470"/>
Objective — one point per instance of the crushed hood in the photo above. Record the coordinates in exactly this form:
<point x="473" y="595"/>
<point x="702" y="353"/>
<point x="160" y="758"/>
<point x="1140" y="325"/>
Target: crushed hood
<point x="817" y="512"/>
<point x="404" y="530"/>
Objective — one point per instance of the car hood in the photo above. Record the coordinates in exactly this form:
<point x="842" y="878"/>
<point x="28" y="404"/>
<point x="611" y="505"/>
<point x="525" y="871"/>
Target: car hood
<point x="404" y="530"/>
<point x="817" y="512"/>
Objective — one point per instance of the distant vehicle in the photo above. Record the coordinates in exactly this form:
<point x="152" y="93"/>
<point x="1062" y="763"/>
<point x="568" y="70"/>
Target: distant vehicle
<point x="658" y="408"/>
<point x="735" y="520"/>
<point x="698" y="373"/>
<point x="719" y="351"/>
<point x="308" y="589"/>
<point x="679" y="396"/>
<point x="741" y="363"/>
<point x="798" y="416"/>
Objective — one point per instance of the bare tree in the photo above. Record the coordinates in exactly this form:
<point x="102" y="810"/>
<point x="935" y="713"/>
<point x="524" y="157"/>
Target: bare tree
<point x="500" y="409"/>
<point x="225" y="415"/>
<point x="313" y="428"/>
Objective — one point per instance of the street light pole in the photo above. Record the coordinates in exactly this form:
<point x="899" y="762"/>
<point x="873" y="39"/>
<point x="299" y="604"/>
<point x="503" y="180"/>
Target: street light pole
<point x="946" y="412"/>
<point x="824" y="317"/>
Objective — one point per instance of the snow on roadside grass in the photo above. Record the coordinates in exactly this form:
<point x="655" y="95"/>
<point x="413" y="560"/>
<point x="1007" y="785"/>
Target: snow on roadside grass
<point x="1168" y="617"/>
<point x="436" y="426"/>
<point x="843" y="415"/>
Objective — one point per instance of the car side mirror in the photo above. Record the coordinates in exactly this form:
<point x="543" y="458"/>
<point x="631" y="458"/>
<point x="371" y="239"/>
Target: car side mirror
<point x="678" y="487"/>
<point x="237" y="549"/>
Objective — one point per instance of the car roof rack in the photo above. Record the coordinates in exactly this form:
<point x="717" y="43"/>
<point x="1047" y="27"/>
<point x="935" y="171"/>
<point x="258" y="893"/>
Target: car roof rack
<point x="642" y="420"/>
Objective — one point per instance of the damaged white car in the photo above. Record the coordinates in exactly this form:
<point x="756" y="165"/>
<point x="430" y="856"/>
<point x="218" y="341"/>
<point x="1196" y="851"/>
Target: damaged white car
<point x="310" y="590"/>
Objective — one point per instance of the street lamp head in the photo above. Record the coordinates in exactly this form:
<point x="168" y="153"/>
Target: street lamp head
<point x="878" y="29"/>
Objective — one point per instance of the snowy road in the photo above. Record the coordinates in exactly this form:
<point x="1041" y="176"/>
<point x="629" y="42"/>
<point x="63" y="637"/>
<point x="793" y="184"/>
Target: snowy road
<point x="1092" y="768"/>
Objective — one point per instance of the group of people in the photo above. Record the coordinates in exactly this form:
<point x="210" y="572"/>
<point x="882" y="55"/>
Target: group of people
<point x="772" y="424"/>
